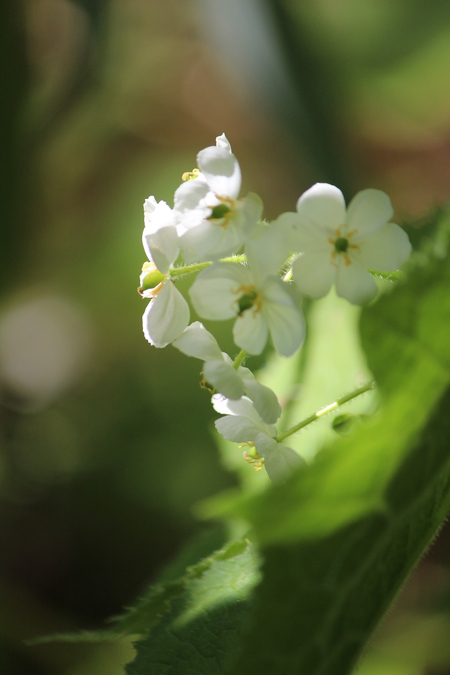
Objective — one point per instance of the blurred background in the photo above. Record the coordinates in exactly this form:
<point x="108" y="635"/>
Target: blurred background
<point x="105" y="442"/>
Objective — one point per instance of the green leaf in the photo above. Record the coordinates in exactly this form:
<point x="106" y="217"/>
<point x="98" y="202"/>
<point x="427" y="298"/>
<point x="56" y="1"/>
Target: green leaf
<point x="200" y="635"/>
<point x="341" y="537"/>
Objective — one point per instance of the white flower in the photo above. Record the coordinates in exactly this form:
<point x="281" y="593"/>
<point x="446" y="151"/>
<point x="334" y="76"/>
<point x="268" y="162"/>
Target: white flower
<point x="242" y="424"/>
<point x="219" y="371"/>
<point x="167" y="314"/>
<point x="227" y="290"/>
<point x="338" y="245"/>
<point x="160" y="237"/>
<point x="216" y="221"/>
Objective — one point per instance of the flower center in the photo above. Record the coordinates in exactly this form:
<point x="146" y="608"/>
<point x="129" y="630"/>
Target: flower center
<point x="219" y="211"/>
<point x="341" y="244"/>
<point x="223" y="212"/>
<point x="248" y="299"/>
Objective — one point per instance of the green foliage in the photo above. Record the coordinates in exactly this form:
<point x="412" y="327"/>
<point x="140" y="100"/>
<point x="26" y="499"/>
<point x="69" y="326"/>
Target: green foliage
<point x="340" y="538"/>
<point x="201" y="632"/>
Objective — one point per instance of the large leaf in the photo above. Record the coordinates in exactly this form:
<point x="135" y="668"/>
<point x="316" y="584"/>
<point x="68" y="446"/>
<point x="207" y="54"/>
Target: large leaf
<point x="202" y="631"/>
<point x="341" y="537"/>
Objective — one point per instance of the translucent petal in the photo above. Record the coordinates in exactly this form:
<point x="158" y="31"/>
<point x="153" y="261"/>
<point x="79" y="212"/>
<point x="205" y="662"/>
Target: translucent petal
<point x="279" y="460"/>
<point x="264" y="399"/>
<point x="221" y="171"/>
<point x="386" y="249"/>
<point x="166" y="316"/>
<point x="237" y="429"/>
<point x="266" y="249"/>
<point x="223" y="142"/>
<point x="314" y="273"/>
<point x="284" y="318"/>
<point x="368" y="210"/>
<point x="354" y="282"/>
<point x="215" y="292"/>
<point x="250" y="331"/>
<point x="250" y="210"/>
<point x="224" y="378"/>
<point x="323" y="205"/>
<point x="198" y="342"/>
<point x="161" y="246"/>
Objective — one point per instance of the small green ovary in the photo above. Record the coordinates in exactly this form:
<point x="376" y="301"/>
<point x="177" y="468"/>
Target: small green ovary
<point x="152" y="279"/>
<point x="219" y="211"/>
<point x="341" y="244"/>
<point x="246" y="301"/>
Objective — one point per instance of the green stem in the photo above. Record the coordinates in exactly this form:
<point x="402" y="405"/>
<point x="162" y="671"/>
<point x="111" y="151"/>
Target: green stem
<point x="239" y="359"/>
<point x="324" y="411"/>
<point x="396" y="275"/>
<point x="197" y="267"/>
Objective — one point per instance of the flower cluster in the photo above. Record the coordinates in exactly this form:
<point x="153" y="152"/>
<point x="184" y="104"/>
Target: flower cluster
<point x="256" y="272"/>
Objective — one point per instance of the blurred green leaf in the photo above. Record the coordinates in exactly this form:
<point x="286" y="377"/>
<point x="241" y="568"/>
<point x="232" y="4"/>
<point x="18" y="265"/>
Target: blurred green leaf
<point x="201" y="632"/>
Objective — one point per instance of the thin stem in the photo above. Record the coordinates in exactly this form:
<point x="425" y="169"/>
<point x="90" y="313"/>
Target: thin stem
<point x="197" y="267"/>
<point x="324" y="411"/>
<point x="188" y="269"/>
<point x="239" y="359"/>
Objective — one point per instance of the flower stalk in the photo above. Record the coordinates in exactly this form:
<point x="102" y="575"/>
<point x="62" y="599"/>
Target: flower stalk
<point x="324" y="411"/>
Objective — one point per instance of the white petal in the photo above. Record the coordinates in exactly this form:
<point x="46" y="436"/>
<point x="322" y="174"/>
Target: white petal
<point x="385" y="249"/>
<point x="279" y="460"/>
<point x="250" y="331"/>
<point x="244" y="407"/>
<point x="211" y="241"/>
<point x="157" y="215"/>
<point x="289" y="223"/>
<point x="196" y="341"/>
<point x="166" y="316"/>
<point x="150" y="204"/>
<point x="221" y="170"/>
<point x="223" y="142"/>
<point x="241" y="422"/>
<point x="237" y="429"/>
<point x="314" y="273"/>
<point x="249" y="211"/>
<point x="284" y="318"/>
<point x="266" y="249"/>
<point x="354" y="282"/>
<point x="264" y="399"/>
<point x="215" y="292"/>
<point x="189" y="194"/>
<point x="162" y="246"/>
<point x="323" y="205"/>
<point x="224" y="378"/>
<point x="368" y="210"/>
